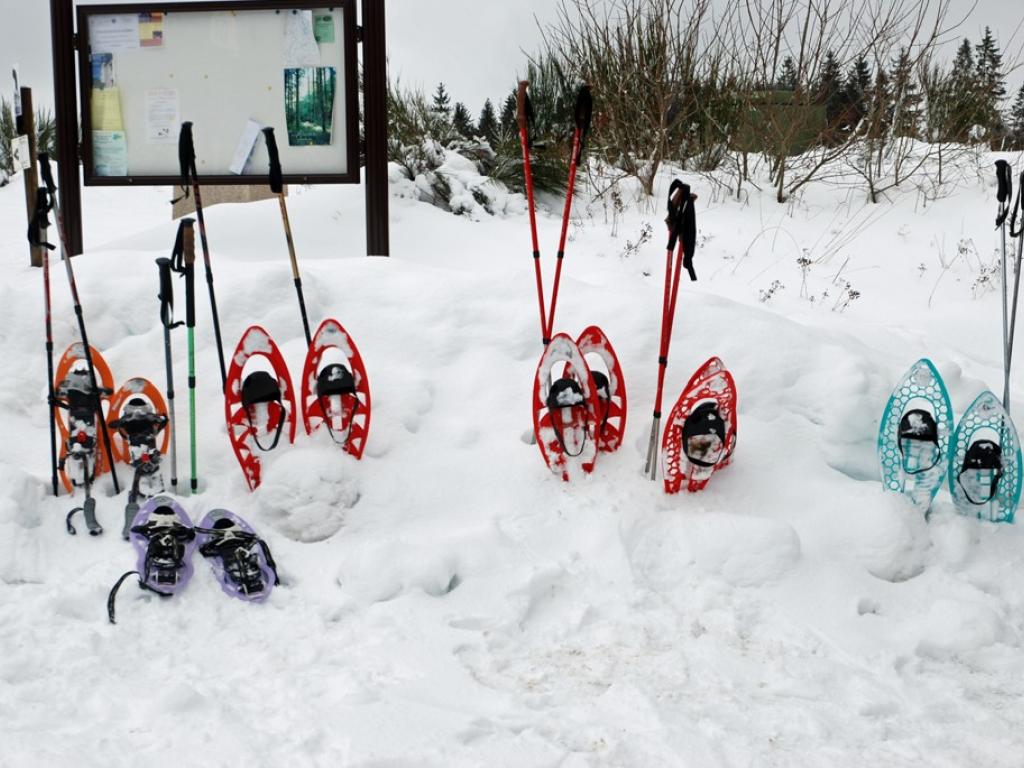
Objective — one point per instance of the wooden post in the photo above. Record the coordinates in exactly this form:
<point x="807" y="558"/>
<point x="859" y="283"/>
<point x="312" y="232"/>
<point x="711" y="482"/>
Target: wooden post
<point x="62" y="26"/>
<point x="375" y="105"/>
<point x="31" y="175"/>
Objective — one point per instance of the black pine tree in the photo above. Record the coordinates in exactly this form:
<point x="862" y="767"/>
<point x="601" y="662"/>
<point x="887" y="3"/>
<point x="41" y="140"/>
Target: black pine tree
<point x="508" y="115"/>
<point x="1017" y="120"/>
<point x="855" y="93"/>
<point x="487" y="125"/>
<point x="906" y="97"/>
<point x="442" y="101"/>
<point x="788" y="77"/>
<point x="462" y="121"/>
<point x="830" y="88"/>
<point x="962" y="89"/>
<point x="991" y="84"/>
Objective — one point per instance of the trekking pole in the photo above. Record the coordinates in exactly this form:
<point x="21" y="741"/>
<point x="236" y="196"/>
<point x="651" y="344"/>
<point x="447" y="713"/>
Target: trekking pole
<point x="681" y="223"/>
<point x="189" y="174"/>
<point x="37" y="238"/>
<point x="1018" y="207"/>
<point x="277" y="187"/>
<point x="167" y="320"/>
<point x="1004" y="196"/>
<point x="52" y="205"/>
<point x="524" y="116"/>
<point x="584" y="112"/>
<point x="189" y="258"/>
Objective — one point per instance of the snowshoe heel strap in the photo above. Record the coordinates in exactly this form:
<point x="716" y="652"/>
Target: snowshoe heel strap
<point x="981" y="456"/>
<point x="919" y="425"/>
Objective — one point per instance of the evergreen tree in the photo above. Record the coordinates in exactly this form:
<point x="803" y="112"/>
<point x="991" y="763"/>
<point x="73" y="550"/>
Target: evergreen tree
<point x="462" y="121"/>
<point x="788" y="78"/>
<point x="855" y="93"/>
<point x="442" y="102"/>
<point x="906" y="97"/>
<point x="962" y="95"/>
<point x="508" y="115"/>
<point x="1017" y="120"/>
<point x="829" y="89"/>
<point x="991" y="84"/>
<point x="487" y="125"/>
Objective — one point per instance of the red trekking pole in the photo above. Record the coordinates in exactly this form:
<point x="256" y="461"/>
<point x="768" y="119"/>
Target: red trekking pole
<point x="524" y="115"/>
<point x="584" y="112"/>
<point x="682" y="240"/>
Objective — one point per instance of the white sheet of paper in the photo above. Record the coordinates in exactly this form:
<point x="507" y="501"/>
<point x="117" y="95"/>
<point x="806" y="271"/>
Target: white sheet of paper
<point x="109" y="153"/>
<point x="163" y="116"/>
<point x="300" y="47"/>
<point x="109" y="34"/>
<point x="245" y="147"/>
<point x="20" y="153"/>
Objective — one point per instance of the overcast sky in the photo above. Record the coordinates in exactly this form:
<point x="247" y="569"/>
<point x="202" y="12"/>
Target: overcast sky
<point x="474" y="46"/>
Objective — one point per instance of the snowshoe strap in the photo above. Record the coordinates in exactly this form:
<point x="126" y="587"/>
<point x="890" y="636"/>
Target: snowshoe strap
<point x="982" y="455"/>
<point x="261" y="387"/>
<point x="337" y="380"/>
<point x="112" y="597"/>
<point x="919" y="425"/>
<point x="704" y="420"/>
<point x="555" y="402"/>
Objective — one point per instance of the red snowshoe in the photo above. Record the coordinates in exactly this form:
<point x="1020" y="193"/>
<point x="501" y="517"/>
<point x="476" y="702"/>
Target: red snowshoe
<point x="565" y="409"/>
<point x="336" y="396"/>
<point x="700" y="436"/>
<point x="260" y="408"/>
<point x="610" y="389"/>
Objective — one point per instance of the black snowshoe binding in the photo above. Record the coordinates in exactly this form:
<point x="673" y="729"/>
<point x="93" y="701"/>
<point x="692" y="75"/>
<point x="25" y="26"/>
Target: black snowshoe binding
<point x="77" y="396"/>
<point x="704" y="438"/>
<point x="262" y="388"/>
<point x="140" y="425"/>
<point x="919" y="442"/>
<point x="243" y="562"/>
<point x="567" y="393"/>
<point x="337" y="381"/>
<point x="981" y="472"/>
<point x="603" y="389"/>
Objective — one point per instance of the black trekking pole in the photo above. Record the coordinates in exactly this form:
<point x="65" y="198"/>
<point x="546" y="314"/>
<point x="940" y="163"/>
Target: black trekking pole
<point x="37" y="238"/>
<point x="185" y="263"/>
<point x="1004" y="196"/>
<point x="189" y="175"/>
<point x="167" y="320"/>
<point x="277" y="187"/>
<point x="51" y="192"/>
<point x="1018" y="208"/>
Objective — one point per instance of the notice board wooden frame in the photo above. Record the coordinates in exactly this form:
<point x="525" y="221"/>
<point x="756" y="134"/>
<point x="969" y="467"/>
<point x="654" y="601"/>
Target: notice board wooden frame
<point x="350" y="81"/>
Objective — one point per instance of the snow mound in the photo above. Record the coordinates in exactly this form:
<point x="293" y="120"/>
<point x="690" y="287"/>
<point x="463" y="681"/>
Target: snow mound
<point x="306" y="491"/>
<point x="954" y="627"/>
<point x="742" y="550"/>
<point x="886" y="535"/>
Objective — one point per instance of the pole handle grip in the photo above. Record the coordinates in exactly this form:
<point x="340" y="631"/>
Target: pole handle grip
<point x="1005" y="181"/>
<point x="166" y="295"/>
<point x="186" y="151"/>
<point x="523" y="108"/>
<point x="584" y="109"/>
<point x="276" y="176"/>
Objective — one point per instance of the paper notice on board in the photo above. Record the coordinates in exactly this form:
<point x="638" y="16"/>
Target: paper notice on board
<point x="163" y="116"/>
<point x="300" y="48"/>
<point x="21" y="157"/>
<point x="245" y="147"/>
<point x="323" y="29"/>
<point x="106" y="109"/>
<point x="151" y="29"/>
<point x="109" y="153"/>
<point x="109" y="34"/>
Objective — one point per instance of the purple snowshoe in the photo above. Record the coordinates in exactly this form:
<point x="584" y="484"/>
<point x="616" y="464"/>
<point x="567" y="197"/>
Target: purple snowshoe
<point x="164" y="541"/>
<point x="241" y="560"/>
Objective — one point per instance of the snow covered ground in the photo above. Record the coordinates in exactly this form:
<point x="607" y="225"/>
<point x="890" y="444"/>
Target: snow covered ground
<point x="449" y="602"/>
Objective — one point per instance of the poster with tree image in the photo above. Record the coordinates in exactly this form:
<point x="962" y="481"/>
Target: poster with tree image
<point x="309" y="105"/>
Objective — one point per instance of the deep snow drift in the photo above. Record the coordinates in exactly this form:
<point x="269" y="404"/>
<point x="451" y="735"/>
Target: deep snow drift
<point x="449" y="602"/>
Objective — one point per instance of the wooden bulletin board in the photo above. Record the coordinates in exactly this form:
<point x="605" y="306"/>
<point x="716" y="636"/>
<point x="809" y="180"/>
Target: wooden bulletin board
<point x="229" y="68"/>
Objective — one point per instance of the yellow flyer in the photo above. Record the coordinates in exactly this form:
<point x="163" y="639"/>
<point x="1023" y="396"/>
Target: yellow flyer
<point x="106" y="109"/>
<point x="151" y="29"/>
